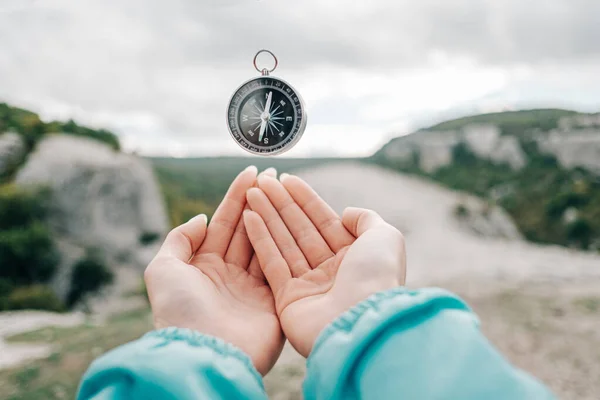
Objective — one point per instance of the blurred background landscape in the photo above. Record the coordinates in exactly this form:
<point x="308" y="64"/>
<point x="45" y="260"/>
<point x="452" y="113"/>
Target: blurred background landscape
<point x="472" y="126"/>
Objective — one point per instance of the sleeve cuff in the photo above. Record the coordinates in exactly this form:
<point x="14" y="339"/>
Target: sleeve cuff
<point x="197" y="339"/>
<point x="354" y="331"/>
<point x="173" y="363"/>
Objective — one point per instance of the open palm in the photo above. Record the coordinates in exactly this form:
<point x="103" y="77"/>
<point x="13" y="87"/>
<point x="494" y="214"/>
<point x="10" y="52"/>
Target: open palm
<point x="318" y="264"/>
<point x="209" y="280"/>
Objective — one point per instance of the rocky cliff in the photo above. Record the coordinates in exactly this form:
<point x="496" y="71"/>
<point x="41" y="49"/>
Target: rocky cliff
<point x="101" y="199"/>
<point x="542" y="166"/>
<point x="574" y="142"/>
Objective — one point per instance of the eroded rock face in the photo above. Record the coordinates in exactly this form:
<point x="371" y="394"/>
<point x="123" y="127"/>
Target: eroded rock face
<point x="12" y="151"/>
<point x="435" y="147"/>
<point x="576" y="143"/>
<point x="575" y="148"/>
<point x="100" y="199"/>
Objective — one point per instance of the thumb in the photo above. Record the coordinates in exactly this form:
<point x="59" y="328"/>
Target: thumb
<point x="359" y="220"/>
<point x="378" y="243"/>
<point x="183" y="241"/>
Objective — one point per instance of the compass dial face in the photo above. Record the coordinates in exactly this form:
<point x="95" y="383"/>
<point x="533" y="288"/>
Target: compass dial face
<point x="266" y="116"/>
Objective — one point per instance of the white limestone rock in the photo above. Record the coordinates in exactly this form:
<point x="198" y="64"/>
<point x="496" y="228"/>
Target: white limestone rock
<point x="481" y="139"/>
<point x="508" y="150"/>
<point x="575" y="148"/>
<point x="100" y="199"/>
<point x="435" y="147"/>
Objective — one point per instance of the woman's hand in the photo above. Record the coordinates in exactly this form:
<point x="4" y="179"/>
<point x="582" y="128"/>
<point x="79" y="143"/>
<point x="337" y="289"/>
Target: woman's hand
<point x="209" y="280"/>
<point x="317" y="264"/>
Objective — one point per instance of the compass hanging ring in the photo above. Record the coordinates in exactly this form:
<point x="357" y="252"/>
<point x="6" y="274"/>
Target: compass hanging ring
<point x="266" y="115"/>
<point x="265" y="71"/>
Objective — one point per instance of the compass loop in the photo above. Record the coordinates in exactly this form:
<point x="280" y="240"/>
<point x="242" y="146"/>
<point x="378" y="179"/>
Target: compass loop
<point x="265" y="71"/>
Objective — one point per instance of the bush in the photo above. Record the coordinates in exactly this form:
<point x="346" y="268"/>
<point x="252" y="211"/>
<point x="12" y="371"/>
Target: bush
<point x="580" y="231"/>
<point x="461" y="211"/>
<point x="147" y="238"/>
<point x="556" y="206"/>
<point x="89" y="275"/>
<point x="5" y="289"/>
<point x="36" y="297"/>
<point x="28" y="255"/>
<point x="19" y="207"/>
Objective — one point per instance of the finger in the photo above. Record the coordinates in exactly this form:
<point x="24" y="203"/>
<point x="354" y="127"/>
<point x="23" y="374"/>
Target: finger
<point x="305" y="234"/>
<point x="240" y="249"/>
<point x="359" y="220"/>
<point x="225" y="220"/>
<point x="270" y="259"/>
<point x="328" y="223"/>
<point x="183" y="241"/>
<point x="284" y="240"/>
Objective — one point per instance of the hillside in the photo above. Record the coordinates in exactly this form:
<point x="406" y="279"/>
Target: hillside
<point x="513" y="122"/>
<point x="21" y="130"/>
<point x="542" y="166"/>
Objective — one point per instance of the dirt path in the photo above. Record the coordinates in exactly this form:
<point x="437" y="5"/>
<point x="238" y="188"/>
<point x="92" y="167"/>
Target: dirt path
<point x="12" y="323"/>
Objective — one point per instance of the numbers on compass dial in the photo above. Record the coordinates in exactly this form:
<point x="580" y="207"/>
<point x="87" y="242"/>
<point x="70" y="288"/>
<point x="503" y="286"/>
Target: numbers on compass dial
<point x="266" y="115"/>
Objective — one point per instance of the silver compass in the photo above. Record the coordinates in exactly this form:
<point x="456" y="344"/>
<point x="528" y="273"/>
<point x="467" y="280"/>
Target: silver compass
<point x="266" y="115"/>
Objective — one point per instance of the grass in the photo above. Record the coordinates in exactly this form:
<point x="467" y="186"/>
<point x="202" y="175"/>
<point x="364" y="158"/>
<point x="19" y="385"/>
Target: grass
<point x="589" y="305"/>
<point x="58" y="376"/>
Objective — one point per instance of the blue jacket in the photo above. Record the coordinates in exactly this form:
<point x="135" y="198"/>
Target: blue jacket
<point x="399" y="344"/>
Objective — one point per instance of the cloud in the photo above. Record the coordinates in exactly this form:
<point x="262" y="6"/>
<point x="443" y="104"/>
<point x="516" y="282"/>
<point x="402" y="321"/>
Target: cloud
<point x="160" y="73"/>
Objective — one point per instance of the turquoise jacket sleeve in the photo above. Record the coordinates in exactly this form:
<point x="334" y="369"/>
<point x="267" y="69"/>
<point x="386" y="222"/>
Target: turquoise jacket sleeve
<point x="171" y="364"/>
<point x="404" y="344"/>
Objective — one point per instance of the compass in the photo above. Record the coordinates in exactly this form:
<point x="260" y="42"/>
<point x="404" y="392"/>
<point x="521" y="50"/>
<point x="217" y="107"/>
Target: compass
<point x="266" y="115"/>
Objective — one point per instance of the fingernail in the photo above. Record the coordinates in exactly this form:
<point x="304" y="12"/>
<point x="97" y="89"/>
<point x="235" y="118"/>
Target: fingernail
<point x="270" y="171"/>
<point x="200" y="216"/>
<point x="283" y="176"/>
<point x="262" y="177"/>
<point x="247" y="212"/>
<point x="251" y="168"/>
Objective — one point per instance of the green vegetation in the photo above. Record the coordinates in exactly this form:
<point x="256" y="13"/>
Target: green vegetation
<point x="28" y="256"/>
<point x="148" y="238"/>
<point x="461" y="211"/>
<point x="196" y="185"/>
<point x="89" y="275"/>
<point x="511" y="122"/>
<point x="36" y="297"/>
<point x="589" y="304"/>
<point x="539" y="196"/>
<point x="32" y="128"/>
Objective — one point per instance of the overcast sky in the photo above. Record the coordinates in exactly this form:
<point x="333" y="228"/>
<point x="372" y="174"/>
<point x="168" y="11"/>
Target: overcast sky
<point x="160" y="72"/>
